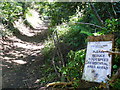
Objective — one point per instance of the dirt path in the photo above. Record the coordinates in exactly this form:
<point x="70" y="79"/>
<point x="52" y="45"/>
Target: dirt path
<point x="22" y="57"/>
<point x="20" y="63"/>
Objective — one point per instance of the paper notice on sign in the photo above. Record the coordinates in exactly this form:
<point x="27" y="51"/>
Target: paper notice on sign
<point x="97" y="63"/>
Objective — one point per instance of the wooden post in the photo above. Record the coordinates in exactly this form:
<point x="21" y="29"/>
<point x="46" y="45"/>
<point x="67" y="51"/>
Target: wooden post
<point x="109" y="37"/>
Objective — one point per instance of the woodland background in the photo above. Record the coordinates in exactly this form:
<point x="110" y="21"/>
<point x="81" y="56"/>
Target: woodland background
<point x="63" y="36"/>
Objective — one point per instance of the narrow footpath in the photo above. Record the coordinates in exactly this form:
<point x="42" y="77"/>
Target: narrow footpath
<point x="22" y="58"/>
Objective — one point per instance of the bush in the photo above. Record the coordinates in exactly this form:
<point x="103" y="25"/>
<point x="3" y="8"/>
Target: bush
<point x="74" y="67"/>
<point x="116" y="85"/>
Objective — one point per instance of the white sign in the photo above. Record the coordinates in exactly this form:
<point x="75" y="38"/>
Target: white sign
<point x="97" y="63"/>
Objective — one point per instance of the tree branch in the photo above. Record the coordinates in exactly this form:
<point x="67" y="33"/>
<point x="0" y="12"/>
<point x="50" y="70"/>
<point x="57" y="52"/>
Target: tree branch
<point x="54" y="66"/>
<point x="115" y="76"/>
<point x="114" y="10"/>
<point x="89" y="24"/>
<point x="111" y="52"/>
<point x="96" y="14"/>
<point x="58" y="48"/>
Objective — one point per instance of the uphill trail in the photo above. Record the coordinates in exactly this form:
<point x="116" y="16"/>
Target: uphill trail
<point x="21" y="53"/>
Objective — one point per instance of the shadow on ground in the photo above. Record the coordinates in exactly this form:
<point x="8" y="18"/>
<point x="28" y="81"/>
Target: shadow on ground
<point x="36" y="38"/>
<point x="22" y="59"/>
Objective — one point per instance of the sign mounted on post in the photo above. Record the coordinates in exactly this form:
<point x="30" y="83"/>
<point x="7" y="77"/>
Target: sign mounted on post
<point x="98" y="63"/>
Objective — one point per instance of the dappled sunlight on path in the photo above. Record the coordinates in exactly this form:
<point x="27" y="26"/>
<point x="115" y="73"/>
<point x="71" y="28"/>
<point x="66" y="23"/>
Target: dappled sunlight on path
<point x="22" y="56"/>
<point x="28" y="46"/>
<point x="22" y="28"/>
<point x="38" y="25"/>
<point x="34" y="20"/>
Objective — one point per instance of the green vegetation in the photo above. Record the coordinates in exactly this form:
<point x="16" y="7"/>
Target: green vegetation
<point x="70" y="25"/>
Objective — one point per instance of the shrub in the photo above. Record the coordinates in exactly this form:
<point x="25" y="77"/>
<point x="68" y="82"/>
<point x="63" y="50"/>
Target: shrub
<point x="74" y="67"/>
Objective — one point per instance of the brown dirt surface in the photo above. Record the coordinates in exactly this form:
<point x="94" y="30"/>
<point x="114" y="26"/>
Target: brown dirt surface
<point x="22" y="58"/>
